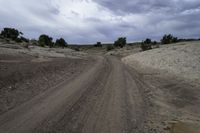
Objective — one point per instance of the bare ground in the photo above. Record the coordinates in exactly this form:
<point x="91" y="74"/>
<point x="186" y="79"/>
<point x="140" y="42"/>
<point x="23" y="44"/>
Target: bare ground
<point x="22" y="77"/>
<point x="93" y="95"/>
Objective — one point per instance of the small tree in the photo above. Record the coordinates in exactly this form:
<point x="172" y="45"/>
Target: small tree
<point x="98" y="44"/>
<point x="146" y="45"/>
<point x="121" y="42"/>
<point x="45" y="40"/>
<point x="23" y="39"/>
<point x="167" y="39"/>
<point x="61" y="43"/>
<point x="11" y="33"/>
<point x="148" y="41"/>
<point x="154" y="42"/>
<point x="34" y="42"/>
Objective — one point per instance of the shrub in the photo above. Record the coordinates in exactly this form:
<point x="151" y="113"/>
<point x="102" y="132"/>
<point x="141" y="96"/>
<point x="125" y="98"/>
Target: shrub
<point x="146" y="45"/>
<point x="167" y="39"/>
<point x="98" y="44"/>
<point x="154" y="43"/>
<point x="45" y="40"/>
<point x="121" y="42"/>
<point x="33" y="42"/>
<point x="18" y="40"/>
<point x="148" y="41"/>
<point x="109" y="47"/>
<point x="76" y="49"/>
<point x="61" y="43"/>
<point x="26" y="45"/>
<point x="11" y="33"/>
<point x="23" y="39"/>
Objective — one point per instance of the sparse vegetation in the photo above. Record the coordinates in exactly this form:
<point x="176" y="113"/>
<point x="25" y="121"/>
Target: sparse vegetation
<point x="34" y="42"/>
<point x="76" y="49"/>
<point x="109" y="47"/>
<point x="11" y="33"/>
<point x="121" y="42"/>
<point x="61" y="43"/>
<point x="45" y="40"/>
<point x="167" y="39"/>
<point x="23" y="39"/>
<point x="98" y="44"/>
<point x="146" y="45"/>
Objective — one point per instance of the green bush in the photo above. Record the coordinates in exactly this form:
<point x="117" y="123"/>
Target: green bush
<point x="121" y="42"/>
<point x="146" y="45"/>
<point x="61" y="43"/>
<point x="109" y="47"/>
<point x="167" y="39"/>
<point x="45" y="40"/>
<point x="23" y="39"/>
<point x="98" y="44"/>
<point x="34" y="42"/>
<point x="11" y="33"/>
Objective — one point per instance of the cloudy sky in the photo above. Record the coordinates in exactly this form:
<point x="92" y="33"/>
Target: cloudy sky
<point x="88" y="21"/>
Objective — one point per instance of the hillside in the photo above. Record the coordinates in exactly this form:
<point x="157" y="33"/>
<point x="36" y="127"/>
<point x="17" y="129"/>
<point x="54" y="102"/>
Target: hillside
<point x="181" y="59"/>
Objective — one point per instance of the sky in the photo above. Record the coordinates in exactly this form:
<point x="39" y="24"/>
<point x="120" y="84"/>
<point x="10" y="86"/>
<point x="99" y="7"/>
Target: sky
<point x="89" y="21"/>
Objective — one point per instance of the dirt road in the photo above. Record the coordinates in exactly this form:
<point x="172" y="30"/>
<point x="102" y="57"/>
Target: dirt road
<point x="103" y="99"/>
<point x="109" y="97"/>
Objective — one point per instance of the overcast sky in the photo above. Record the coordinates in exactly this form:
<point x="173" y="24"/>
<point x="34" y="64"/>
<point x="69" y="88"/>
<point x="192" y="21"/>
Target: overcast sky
<point x="89" y="21"/>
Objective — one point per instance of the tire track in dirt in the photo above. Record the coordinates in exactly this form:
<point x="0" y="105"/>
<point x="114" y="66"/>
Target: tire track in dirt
<point x="103" y="99"/>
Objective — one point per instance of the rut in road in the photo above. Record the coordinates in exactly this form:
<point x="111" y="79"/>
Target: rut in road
<point x="104" y="99"/>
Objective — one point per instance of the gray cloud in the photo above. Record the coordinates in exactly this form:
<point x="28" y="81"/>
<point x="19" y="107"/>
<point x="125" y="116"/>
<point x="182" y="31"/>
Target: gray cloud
<point x="88" y="21"/>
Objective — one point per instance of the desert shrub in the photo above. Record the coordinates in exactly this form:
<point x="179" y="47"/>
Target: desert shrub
<point x="146" y="45"/>
<point x="76" y="48"/>
<point x="33" y="42"/>
<point x="61" y="43"/>
<point x="154" y="42"/>
<point x="7" y="40"/>
<point x="148" y="41"/>
<point x="18" y="40"/>
<point x="45" y="40"/>
<point x="109" y="47"/>
<point x="98" y="44"/>
<point x="167" y="39"/>
<point x="11" y="33"/>
<point x="26" y="45"/>
<point x="121" y="42"/>
<point x="23" y="39"/>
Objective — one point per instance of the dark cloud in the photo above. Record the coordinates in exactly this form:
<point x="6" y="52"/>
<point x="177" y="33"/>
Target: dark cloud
<point x="88" y="21"/>
<point x="145" y="6"/>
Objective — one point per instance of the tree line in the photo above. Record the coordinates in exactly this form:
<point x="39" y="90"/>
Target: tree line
<point x="166" y="39"/>
<point x="43" y="40"/>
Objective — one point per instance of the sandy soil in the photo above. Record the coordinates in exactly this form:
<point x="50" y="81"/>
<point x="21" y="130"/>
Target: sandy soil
<point x="125" y="51"/>
<point x="102" y="99"/>
<point x="24" y="75"/>
<point x="92" y="94"/>
<point x="182" y="59"/>
<point x="173" y="74"/>
<point x="35" y="51"/>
